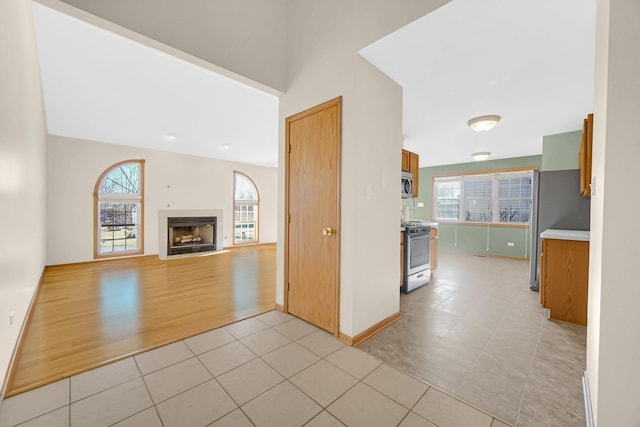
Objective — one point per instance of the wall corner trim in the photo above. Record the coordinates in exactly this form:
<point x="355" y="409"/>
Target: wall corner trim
<point x="588" y="412"/>
<point x="371" y="331"/>
<point x="17" y="350"/>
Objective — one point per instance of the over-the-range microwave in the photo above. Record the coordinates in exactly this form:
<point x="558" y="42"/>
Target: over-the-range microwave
<point x="406" y="190"/>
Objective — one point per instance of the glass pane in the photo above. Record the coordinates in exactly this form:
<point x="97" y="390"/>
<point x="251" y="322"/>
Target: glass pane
<point x="244" y="188"/>
<point x="125" y="179"/>
<point x="118" y="227"/>
<point x="447" y="200"/>
<point x="518" y="211"/>
<point x="478" y="210"/>
<point x="246" y="223"/>
<point x="478" y="204"/>
<point x="515" y="200"/>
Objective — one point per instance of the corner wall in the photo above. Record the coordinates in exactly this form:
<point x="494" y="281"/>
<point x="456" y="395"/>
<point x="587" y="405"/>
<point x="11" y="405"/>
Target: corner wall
<point x="22" y="172"/>
<point x="613" y="333"/>
<point x="323" y="63"/>
<point x="172" y="181"/>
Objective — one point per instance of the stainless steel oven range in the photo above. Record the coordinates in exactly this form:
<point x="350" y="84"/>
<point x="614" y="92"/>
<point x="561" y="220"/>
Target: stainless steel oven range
<point x="417" y="267"/>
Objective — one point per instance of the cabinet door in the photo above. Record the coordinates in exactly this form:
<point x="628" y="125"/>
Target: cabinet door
<point x="401" y="257"/>
<point x="564" y="275"/>
<point x="585" y="155"/>
<point x="414" y="168"/>
<point x="405" y="161"/>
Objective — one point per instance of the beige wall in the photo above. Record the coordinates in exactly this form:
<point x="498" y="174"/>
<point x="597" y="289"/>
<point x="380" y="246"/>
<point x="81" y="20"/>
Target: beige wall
<point x="172" y="181"/>
<point x="323" y="63"/>
<point x="246" y="37"/>
<point x="22" y="172"/>
<point x="613" y="337"/>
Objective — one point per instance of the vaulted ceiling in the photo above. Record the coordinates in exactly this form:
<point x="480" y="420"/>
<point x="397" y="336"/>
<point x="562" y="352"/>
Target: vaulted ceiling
<point x="529" y="62"/>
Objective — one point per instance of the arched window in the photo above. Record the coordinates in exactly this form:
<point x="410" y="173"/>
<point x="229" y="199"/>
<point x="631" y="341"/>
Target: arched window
<point x="245" y="209"/>
<point x="119" y="210"/>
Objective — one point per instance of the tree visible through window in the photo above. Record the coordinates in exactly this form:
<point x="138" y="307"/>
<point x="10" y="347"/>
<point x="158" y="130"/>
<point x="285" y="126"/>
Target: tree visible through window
<point x="245" y="209"/>
<point x="119" y="205"/>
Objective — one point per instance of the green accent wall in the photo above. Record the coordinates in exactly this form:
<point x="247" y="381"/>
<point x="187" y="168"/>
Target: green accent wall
<point x="475" y="238"/>
<point x="560" y="151"/>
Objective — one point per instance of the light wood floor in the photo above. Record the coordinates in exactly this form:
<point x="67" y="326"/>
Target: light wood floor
<point x="87" y="315"/>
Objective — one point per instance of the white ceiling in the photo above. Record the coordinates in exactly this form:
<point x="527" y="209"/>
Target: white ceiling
<point x="529" y="61"/>
<point x="103" y="87"/>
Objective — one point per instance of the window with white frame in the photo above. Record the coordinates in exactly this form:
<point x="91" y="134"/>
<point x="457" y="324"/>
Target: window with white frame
<point x="496" y="198"/>
<point x="119" y="198"/>
<point x="245" y="209"/>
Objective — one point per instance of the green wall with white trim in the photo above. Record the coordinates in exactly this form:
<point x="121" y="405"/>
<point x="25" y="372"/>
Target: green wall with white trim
<point x="480" y="239"/>
<point x="559" y="152"/>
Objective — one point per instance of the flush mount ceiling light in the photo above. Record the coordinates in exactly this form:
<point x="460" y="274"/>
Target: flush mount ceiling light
<point x="226" y="146"/>
<point x="483" y="123"/>
<point x="170" y="137"/>
<point x="480" y="156"/>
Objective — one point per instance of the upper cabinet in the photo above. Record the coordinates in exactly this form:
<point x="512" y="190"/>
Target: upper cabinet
<point x="405" y="160"/>
<point x="584" y="156"/>
<point x="411" y="163"/>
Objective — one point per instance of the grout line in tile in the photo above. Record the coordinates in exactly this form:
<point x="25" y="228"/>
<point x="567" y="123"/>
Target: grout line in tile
<point x="132" y="415"/>
<point x="155" y="408"/>
<point x="105" y="389"/>
<point x="526" y="384"/>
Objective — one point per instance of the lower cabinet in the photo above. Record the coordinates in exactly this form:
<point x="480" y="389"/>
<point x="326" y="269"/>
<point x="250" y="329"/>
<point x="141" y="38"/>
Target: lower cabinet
<point x="401" y="257"/>
<point x="564" y="276"/>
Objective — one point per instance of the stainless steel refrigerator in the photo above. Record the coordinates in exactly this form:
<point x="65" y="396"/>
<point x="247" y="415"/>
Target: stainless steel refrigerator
<point x="557" y="203"/>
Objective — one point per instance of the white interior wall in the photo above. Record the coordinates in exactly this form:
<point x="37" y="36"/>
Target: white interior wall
<point x="323" y="63"/>
<point x="172" y="181"/>
<point x="22" y="172"/>
<point x="613" y="338"/>
<point x="246" y="37"/>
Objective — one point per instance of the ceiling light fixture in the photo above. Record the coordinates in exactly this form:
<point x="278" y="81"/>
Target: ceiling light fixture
<point x="480" y="156"/>
<point x="226" y="146"/>
<point x="483" y="123"/>
<point x="170" y="137"/>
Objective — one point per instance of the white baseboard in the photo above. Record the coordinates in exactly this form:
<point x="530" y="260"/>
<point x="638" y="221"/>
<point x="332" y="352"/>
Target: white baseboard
<point x="587" y="401"/>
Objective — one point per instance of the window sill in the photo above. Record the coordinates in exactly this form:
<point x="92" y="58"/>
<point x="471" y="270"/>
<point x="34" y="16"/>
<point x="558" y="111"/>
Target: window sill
<point x="482" y="224"/>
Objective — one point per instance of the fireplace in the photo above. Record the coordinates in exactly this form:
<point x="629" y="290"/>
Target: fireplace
<point x="191" y="234"/>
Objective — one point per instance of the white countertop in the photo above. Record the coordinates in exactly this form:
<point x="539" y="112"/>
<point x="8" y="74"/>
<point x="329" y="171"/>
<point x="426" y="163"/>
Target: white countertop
<point x="552" y="233"/>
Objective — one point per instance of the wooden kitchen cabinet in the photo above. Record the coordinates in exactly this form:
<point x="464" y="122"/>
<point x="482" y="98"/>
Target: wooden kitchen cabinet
<point x="585" y="156"/>
<point x="433" y="249"/>
<point x="564" y="276"/>
<point x="405" y="161"/>
<point x="401" y="258"/>
<point x="411" y="163"/>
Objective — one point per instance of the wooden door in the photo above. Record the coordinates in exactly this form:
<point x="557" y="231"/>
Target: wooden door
<point x="312" y="200"/>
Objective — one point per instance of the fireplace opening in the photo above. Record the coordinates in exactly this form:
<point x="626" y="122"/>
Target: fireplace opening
<point x="191" y="234"/>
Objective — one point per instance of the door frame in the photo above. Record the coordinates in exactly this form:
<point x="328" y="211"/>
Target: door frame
<point x="335" y="102"/>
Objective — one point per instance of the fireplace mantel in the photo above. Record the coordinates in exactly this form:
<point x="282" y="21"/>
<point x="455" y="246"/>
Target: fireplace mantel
<point x="164" y="214"/>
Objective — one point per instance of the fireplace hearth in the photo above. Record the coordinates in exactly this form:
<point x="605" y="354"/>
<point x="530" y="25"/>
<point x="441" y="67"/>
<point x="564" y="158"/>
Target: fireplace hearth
<point x="190" y="235"/>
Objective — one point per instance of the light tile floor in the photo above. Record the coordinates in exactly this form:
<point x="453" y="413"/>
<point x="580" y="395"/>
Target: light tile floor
<point x="478" y="332"/>
<point x="271" y="370"/>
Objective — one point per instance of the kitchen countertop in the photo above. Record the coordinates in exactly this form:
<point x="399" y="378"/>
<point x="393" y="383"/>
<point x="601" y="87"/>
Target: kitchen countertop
<point x="552" y="233"/>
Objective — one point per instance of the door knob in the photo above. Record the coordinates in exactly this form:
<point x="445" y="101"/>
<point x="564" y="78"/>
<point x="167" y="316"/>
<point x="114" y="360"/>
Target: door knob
<point x="327" y="231"/>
